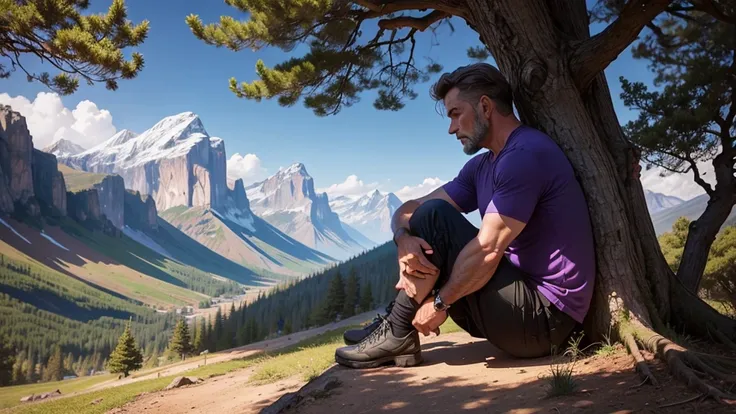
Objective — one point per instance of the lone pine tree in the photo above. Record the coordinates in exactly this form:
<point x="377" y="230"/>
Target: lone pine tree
<point x="88" y="47"/>
<point x="126" y="356"/>
<point x="555" y="67"/>
<point x="181" y="341"/>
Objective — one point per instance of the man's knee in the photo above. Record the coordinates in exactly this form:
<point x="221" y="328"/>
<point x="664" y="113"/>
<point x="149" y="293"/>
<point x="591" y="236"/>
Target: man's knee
<point x="430" y="209"/>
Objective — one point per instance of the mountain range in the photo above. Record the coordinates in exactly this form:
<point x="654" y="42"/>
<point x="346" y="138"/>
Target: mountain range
<point x="183" y="168"/>
<point x="369" y="214"/>
<point x="289" y="202"/>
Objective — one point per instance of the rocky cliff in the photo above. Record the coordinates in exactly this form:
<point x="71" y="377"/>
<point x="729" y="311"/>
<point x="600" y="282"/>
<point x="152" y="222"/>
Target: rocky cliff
<point x="16" y="158"/>
<point x="175" y="161"/>
<point x="83" y="205"/>
<point x="48" y="183"/>
<point x="237" y="195"/>
<point x="140" y="211"/>
<point x="111" y="195"/>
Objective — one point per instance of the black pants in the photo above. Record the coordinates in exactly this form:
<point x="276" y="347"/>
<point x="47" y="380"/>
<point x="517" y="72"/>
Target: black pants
<point x="508" y="310"/>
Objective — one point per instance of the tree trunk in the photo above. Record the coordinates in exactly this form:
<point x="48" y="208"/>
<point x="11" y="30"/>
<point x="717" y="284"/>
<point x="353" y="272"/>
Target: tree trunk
<point x="529" y="40"/>
<point x="703" y="231"/>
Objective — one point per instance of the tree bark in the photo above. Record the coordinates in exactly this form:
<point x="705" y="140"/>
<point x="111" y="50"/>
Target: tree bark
<point x="530" y="43"/>
<point x="703" y="231"/>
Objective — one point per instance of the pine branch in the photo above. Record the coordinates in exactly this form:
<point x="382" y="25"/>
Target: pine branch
<point x="595" y="54"/>
<point x="708" y="6"/>
<point x="696" y="176"/>
<point x="417" y="23"/>
<point x="380" y="8"/>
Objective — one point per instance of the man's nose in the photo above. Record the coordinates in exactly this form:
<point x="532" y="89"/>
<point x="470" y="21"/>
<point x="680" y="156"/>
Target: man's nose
<point x="453" y="128"/>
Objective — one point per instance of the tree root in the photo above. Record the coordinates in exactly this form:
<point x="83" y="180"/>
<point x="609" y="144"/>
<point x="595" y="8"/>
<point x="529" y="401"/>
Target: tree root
<point x="678" y="358"/>
<point x="641" y="365"/>
<point x="722" y="338"/>
<point x="699" y="396"/>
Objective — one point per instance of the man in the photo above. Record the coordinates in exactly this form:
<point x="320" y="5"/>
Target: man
<point x="525" y="279"/>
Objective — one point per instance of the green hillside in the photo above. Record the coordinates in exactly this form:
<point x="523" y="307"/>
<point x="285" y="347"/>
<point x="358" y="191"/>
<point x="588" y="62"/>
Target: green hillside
<point x="138" y="257"/>
<point x="299" y="305"/>
<point x="41" y="307"/>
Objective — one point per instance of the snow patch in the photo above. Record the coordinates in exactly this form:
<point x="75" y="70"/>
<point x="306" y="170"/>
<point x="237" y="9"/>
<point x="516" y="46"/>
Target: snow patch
<point x="242" y="218"/>
<point x="145" y="240"/>
<point x="52" y="240"/>
<point x="3" y="222"/>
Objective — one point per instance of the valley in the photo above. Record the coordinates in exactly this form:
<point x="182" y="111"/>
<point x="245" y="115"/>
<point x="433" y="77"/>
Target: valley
<point x="150" y="226"/>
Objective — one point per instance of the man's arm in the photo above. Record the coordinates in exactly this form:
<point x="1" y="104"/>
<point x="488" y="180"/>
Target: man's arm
<point x="477" y="261"/>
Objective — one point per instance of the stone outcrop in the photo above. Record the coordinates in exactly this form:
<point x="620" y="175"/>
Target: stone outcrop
<point x="84" y="205"/>
<point x="140" y="211"/>
<point x="218" y="172"/>
<point x="111" y="196"/>
<point x="16" y="157"/>
<point x="237" y="195"/>
<point x="176" y="162"/>
<point x="48" y="183"/>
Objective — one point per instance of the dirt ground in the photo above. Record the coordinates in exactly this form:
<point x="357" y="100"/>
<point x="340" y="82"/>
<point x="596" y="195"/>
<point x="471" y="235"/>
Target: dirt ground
<point x="460" y="373"/>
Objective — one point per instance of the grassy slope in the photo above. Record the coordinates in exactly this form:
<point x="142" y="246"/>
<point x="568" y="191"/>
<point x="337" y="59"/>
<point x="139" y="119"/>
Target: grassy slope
<point x="76" y="180"/>
<point x="144" y="260"/>
<point x="10" y="396"/>
<point x="255" y="251"/>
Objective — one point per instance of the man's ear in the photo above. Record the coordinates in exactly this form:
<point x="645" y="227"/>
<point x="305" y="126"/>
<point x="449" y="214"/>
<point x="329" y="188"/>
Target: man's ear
<point x="487" y="106"/>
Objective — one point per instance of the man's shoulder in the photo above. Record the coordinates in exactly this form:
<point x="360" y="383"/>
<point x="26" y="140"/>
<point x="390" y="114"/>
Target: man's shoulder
<point x="476" y="162"/>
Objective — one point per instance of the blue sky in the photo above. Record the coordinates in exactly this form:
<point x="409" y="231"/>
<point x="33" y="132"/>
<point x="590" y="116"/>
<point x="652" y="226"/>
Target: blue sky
<point x="392" y="149"/>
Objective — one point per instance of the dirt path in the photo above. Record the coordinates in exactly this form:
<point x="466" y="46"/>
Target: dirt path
<point x="223" y="394"/>
<point x="459" y="373"/>
<point x="236" y="353"/>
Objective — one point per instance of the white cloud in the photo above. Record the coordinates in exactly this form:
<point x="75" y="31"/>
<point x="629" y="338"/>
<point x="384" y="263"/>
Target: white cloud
<point x="352" y="186"/>
<point x="411" y="192"/>
<point x="678" y="185"/>
<point x="247" y="167"/>
<point x="48" y="120"/>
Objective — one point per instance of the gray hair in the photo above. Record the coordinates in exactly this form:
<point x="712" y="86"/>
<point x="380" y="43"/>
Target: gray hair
<point x="473" y="81"/>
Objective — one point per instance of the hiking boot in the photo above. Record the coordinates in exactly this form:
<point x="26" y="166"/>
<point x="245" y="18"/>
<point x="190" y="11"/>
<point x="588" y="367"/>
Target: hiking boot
<point x="380" y="347"/>
<point x="354" y="336"/>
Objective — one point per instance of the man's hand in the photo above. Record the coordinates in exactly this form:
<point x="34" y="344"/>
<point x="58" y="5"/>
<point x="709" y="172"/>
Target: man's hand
<point x="417" y="275"/>
<point x="412" y="252"/>
<point x="427" y="319"/>
<point x="415" y="288"/>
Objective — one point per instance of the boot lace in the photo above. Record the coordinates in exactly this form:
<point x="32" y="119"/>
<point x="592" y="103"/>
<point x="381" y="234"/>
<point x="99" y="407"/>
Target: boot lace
<point x="383" y="329"/>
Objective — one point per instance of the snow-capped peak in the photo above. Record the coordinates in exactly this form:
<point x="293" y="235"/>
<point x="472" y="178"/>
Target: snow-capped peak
<point x="171" y="137"/>
<point x="64" y="148"/>
<point x="121" y="137"/>
<point x="296" y="168"/>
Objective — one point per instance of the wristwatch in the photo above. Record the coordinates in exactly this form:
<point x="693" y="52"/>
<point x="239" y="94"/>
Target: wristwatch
<point x="439" y="305"/>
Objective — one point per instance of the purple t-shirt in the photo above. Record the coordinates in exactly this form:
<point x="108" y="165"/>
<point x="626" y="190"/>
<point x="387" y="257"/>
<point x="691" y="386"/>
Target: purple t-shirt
<point x="532" y="181"/>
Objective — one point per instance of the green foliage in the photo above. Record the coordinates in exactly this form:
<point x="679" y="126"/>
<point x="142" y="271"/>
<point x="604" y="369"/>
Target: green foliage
<point x="341" y="63"/>
<point x="366" y="298"/>
<point x="335" y="301"/>
<point x="89" y="47"/>
<point x="7" y="360"/>
<point x="54" y="367"/>
<point x="126" y="357"/>
<point x="479" y="53"/>
<point x="690" y="117"/>
<point x="352" y="295"/>
<point x="719" y="278"/>
<point x="181" y="341"/>
<point x="41" y="308"/>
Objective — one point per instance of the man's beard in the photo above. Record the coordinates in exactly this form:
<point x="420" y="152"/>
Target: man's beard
<point x="480" y="131"/>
